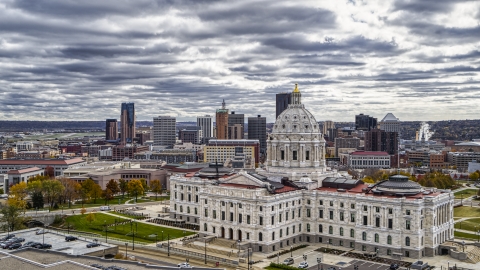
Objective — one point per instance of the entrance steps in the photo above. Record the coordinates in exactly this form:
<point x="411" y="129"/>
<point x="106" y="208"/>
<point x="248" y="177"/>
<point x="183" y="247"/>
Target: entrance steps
<point x="222" y="242"/>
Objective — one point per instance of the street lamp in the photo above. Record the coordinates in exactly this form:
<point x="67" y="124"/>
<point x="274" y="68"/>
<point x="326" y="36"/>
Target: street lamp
<point x="291" y="252"/>
<point x="238" y="247"/>
<point x="106" y="232"/>
<point x="463" y="245"/>
<point x="448" y="262"/>
<point x="126" y="245"/>
<point x="205" y="250"/>
<point x="168" y="245"/>
<point x="162" y="236"/>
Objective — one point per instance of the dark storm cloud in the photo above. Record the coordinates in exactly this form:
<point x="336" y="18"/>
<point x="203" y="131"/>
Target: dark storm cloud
<point x="426" y="6"/>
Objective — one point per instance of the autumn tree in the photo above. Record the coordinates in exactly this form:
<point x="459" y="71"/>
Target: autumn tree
<point x="144" y="184"/>
<point x="123" y="186"/>
<point x="90" y="217"/>
<point x="17" y="196"/>
<point x="155" y="187"/>
<point x="71" y="190"/>
<point x="474" y="176"/>
<point x="96" y="192"/>
<point x="50" y="172"/>
<point x="11" y="217"/>
<point x="135" y="187"/>
<point x="112" y="185"/>
<point x="35" y="189"/>
<point x="52" y="190"/>
<point x="86" y="189"/>
<point x="107" y="195"/>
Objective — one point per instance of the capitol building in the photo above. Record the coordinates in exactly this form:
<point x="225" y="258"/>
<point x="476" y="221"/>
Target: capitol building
<point x="295" y="199"/>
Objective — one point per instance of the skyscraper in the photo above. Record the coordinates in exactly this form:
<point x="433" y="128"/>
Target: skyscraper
<point x="365" y="122"/>
<point x="127" y="119"/>
<point x="257" y="129"/>
<point x="282" y="101"/>
<point x="190" y="134"/>
<point x="164" y="129"/>
<point x="380" y="140"/>
<point x="206" y="124"/>
<point x="236" y="126"/>
<point x="328" y="124"/>
<point x="222" y="122"/>
<point x="111" y="130"/>
<point x="390" y="123"/>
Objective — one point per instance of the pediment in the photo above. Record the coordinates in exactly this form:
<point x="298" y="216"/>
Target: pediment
<point x="243" y="178"/>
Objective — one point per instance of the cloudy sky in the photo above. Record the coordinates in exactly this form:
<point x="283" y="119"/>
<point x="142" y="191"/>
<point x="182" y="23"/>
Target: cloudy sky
<point x="78" y="60"/>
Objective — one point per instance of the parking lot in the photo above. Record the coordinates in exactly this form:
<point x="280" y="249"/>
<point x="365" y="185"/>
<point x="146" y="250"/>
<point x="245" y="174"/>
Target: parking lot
<point x="78" y="247"/>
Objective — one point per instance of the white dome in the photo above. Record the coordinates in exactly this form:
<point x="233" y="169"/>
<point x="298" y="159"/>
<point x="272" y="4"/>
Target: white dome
<point x="295" y="119"/>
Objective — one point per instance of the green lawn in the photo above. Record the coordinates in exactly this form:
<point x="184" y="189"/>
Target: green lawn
<point x="80" y="223"/>
<point x="465" y="235"/>
<point x="469" y="225"/>
<point x="465" y="193"/>
<point x="466" y="211"/>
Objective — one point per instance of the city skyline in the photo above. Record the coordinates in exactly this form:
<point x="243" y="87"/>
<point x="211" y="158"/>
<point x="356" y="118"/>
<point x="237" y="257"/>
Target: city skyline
<point x="78" y="61"/>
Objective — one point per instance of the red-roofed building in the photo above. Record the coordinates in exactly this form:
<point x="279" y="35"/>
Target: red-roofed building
<point x="17" y="176"/>
<point x="58" y="165"/>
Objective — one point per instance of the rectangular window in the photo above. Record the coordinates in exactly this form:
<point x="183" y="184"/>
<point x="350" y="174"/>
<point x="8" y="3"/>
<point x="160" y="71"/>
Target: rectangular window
<point x="377" y="222"/>
<point x="294" y="156"/>
<point x="352" y="217"/>
<point x="331" y="214"/>
<point x="408" y="213"/>
<point x="320" y="213"/>
<point x="308" y="212"/>
<point x="231" y="216"/>
<point x="352" y="245"/>
<point x="364" y="208"/>
<point x="377" y="209"/>
<point x="206" y="212"/>
<point x="261" y="208"/>
<point x="248" y="219"/>
<point x="282" y="154"/>
<point x="390" y="223"/>
<point x="273" y="220"/>
<point x="390" y="211"/>
<point x="214" y="214"/>
<point x="352" y="206"/>
<point x="239" y="218"/>
<point x="321" y="202"/>
<point x="407" y="224"/>
<point x="260" y="220"/>
<point x="293" y="229"/>
<point x="365" y="220"/>
<point x="307" y="155"/>
<point x="331" y="203"/>
<point x="293" y="214"/>
<point x="223" y="215"/>
<point x="286" y="216"/>
<point x="280" y="218"/>
<point x="341" y="216"/>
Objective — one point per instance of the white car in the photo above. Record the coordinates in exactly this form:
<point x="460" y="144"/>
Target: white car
<point x="184" y="265"/>
<point x="303" y="265"/>
<point x="105" y="208"/>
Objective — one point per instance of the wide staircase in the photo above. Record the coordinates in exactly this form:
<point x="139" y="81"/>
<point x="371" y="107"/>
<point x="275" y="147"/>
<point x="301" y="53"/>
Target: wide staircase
<point x="222" y="242"/>
<point x="473" y="254"/>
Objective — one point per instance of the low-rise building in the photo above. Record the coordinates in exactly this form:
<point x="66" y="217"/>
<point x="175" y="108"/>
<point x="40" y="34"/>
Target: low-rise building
<point x="369" y="159"/>
<point x="58" y="165"/>
<point x="18" y="176"/>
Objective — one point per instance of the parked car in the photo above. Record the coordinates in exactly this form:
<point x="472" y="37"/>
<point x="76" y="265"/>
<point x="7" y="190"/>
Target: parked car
<point x="113" y="267"/>
<point x="184" y="265"/>
<point x="303" y="265"/>
<point x="19" y="239"/>
<point x="96" y="265"/>
<point x="42" y="246"/>
<point x="8" y="237"/>
<point x="105" y="208"/>
<point x="15" y="246"/>
<point x="288" y="261"/>
<point x="5" y="244"/>
<point x="90" y="245"/>
<point x="30" y="244"/>
<point x="70" y="238"/>
<point x="40" y="232"/>
<point x="394" y="266"/>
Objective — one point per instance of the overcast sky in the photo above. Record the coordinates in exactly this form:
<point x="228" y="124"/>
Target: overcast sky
<point x="79" y="60"/>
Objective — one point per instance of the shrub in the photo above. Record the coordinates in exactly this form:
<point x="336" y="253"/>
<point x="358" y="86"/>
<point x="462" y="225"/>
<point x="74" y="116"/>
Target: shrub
<point x="57" y="220"/>
<point x="287" y="251"/>
<point x="283" y="266"/>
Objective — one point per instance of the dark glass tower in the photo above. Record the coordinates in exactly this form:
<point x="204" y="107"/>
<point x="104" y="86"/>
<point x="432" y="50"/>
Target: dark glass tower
<point x="282" y="101"/>
<point x="128" y="122"/>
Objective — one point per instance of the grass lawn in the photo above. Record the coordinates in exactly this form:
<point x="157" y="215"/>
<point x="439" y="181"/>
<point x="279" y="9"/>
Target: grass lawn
<point x="466" y="211"/>
<point x="465" y="235"/>
<point x="80" y="223"/>
<point x="465" y="193"/>
<point x="99" y="202"/>
<point x="272" y="268"/>
<point x="469" y="225"/>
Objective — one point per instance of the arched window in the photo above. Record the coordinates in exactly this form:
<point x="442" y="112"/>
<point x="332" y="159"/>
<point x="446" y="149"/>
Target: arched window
<point x="205" y="226"/>
<point x="320" y="228"/>
<point x="260" y="237"/>
<point x="376" y="238"/>
<point x="330" y="229"/>
<point x="407" y="241"/>
<point x="389" y="240"/>
<point x="364" y="236"/>
<point x="341" y="231"/>
<point x="352" y="233"/>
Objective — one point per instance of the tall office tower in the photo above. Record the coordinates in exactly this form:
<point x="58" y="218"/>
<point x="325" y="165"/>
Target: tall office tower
<point x="236" y="126"/>
<point x="347" y="142"/>
<point x="380" y="140"/>
<point x="190" y="134"/>
<point x="257" y="129"/>
<point x="206" y="124"/>
<point x="222" y="122"/>
<point x="111" y="130"/>
<point x="365" y="122"/>
<point x="282" y="101"/>
<point x="390" y="123"/>
<point x="328" y="124"/>
<point x="164" y="131"/>
<point x="127" y="119"/>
